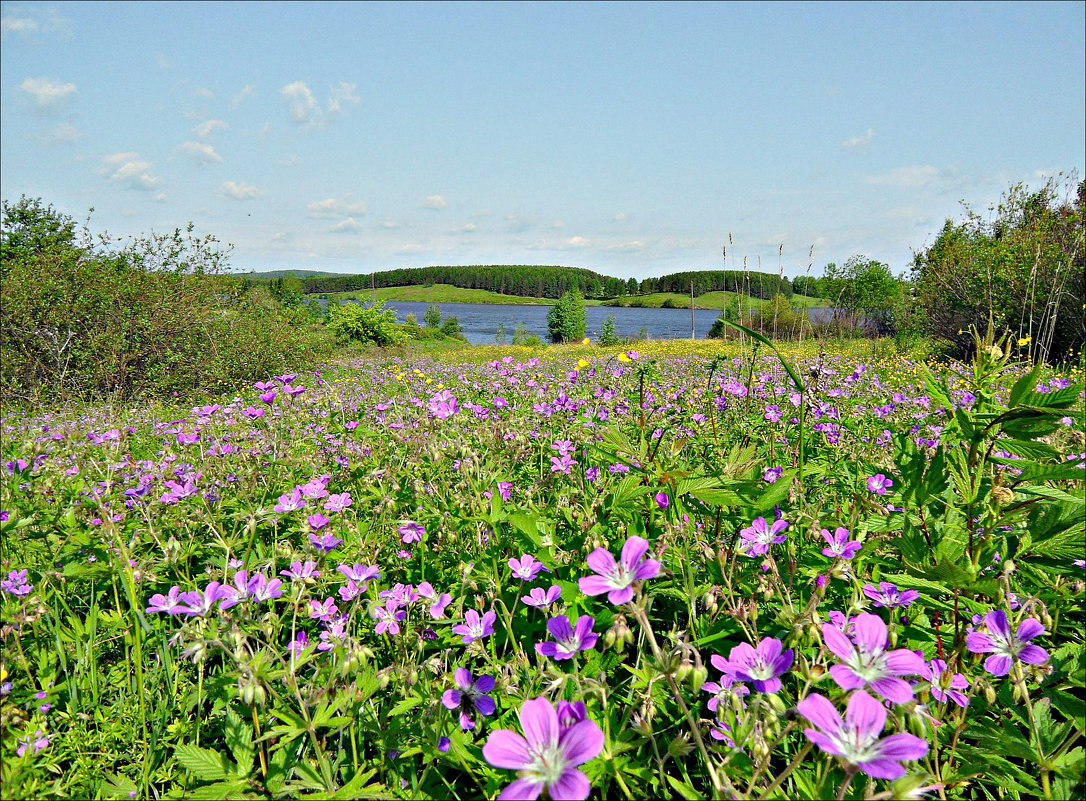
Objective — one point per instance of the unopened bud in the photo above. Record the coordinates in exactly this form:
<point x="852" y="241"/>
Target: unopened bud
<point x="680" y="747"/>
<point x="989" y="694"/>
<point x="1001" y="496"/>
<point x="698" y="677"/>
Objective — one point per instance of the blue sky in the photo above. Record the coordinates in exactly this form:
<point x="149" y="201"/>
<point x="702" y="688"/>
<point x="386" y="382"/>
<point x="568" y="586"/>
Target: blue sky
<point x="633" y="139"/>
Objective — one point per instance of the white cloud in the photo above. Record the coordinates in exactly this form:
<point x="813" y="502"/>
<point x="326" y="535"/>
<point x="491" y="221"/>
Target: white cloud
<point x="200" y="152"/>
<point x="208" y="127"/>
<point x="335" y="207"/>
<point x="911" y="176"/>
<point x="301" y="103"/>
<point x="64" y="134"/>
<point x="246" y="91"/>
<point x="24" y="26"/>
<point x="163" y="62"/>
<point x="636" y="246"/>
<point x="390" y="224"/>
<point x="207" y="94"/>
<point x="576" y="242"/>
<point x="238" y="190"/>
<point x="347" y="226"/>
<point x="48" y="95"/>
<point x="468" y="228"/>
<point x="305" y="109"/>
<point x="129" y="169"/>
<point x="859" y="141"/>
<point x="435" y="202"/>
<point x="161" y="197"/>
<point x="343" y="92"/>
<point x="413" y="248"/>
<point x="620" y="217"/>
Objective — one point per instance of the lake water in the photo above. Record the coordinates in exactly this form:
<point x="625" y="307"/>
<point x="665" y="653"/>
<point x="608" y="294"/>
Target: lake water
<point x="479" y="321"/>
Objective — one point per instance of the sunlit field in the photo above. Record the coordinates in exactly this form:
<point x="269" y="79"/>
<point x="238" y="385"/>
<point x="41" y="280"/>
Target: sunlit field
<point x="694" y="569"/>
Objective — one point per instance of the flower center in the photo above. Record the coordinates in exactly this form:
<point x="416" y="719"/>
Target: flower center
<point x="547" y="765"/>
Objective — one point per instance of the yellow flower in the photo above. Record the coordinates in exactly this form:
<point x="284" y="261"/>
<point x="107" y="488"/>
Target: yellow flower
<point x="1024" y="341"/>
<point x="582" y="364"/>
<point x="586" y="341"/>
<point x="3" y="673"/>
<point x="622" y="357"/>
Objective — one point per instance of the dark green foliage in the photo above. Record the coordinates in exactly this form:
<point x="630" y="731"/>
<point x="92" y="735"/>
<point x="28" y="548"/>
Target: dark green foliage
<point x="1023" y="268"/>
<point x="758" y="285"/>
<point x="155" y="318"/>
<point x="432" y="317"/>
<point x="450" y="326"/>
<point x="864" y="293"/>
<point x="566" y="318"/>
<point x="607" y="333"/>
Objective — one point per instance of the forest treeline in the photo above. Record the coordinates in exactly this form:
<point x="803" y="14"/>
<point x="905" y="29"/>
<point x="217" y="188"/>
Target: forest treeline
<point x="554" y="281"/>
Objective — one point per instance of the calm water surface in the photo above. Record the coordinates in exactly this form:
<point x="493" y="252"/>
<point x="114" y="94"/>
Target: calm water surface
<point x="480" y="321"/>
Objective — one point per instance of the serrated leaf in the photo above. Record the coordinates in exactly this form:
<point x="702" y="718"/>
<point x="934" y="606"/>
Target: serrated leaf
<point x="683" y="789"/>
<point x="219" y="791"/>
<point x="405" y="705"/>
<point x="239" y="739"/>
<point x="202" y="763"/>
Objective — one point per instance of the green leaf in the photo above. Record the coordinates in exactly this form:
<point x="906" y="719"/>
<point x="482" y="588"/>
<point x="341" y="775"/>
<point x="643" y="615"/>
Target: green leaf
<point x="527" y="524"/>
<point x="219" y="791"/>
<point x="1024" y="385"/>
<point x="1027" y="448"/>
<point x="202" y="763"/>
<point x="406" y="705"/>
<point x="684" y="789"/>
<point x="239" y="738"/>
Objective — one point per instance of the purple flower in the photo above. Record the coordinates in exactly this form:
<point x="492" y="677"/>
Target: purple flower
<point x="169" y="604"/>
<point x="290" y="503"/>
<point x="568" y="640"/>
<point x="333" y="635"/>
<point x="879" y="484"/>
<point x="867" y="662"/>
<point x="337" y="503"/>
<point x="16" y="584"/>
<point x="317" y="521"/>
<point x="475" y="627"/>
<point x="469" y="696"/>
<point x="1005" y="646"/>
<point x="389" y="617"/>
<point x="617" y="578"/>
<point x="324" y="543"/>
<point x="505" y="489"/>
<point x="443" y="745"/>
<point x="856" y="738"/>
<point x="439" y="602"/>
<point x="411" y="532"/>
<point x="839" y="544"/>
<point x="252" y="412"/>
<point x="540" y="598"/>
<point x="759" y="535"/>
<point x="662" y="500"/>
<point x="268" y="397"/>
<point x="200" y="603"/>
<point x="39" y="742"/>
<point x="760" y="666"/>
<point x="562" y="463"/>
<point x="300" y="572"/>
<point x="443" y="405"/>
<point x="360" y="574"/>
<point x="323" y="611"/>
<point x="889" y="595"/>
<point x="526" y="568"/>
<point x="720" y="692"/>
<point x="315" y="488"/>
<point x="946" y="684"/>
<point x="771" y="474"/>
<point x="547" y="755"/>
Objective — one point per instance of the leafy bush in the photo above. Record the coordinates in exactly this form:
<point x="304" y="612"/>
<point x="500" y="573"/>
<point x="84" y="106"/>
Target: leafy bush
<point x="432" y="317"/>
<point x="450" y="327"/>
<point x="566" y="318"/>
<point x="84" y="320"/>
<point x="607" y="332"/>
<point x="372" y="324"/>
<point x="1023" y="269"/>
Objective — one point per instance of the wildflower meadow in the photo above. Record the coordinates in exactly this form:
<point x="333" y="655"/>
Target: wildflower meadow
<point x="693" y="570"/>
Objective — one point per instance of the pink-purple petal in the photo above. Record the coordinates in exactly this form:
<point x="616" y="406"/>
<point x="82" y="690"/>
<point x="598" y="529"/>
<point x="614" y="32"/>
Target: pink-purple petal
<point x="633" y="551"/>
<point x="595" y="585"/>
<point x="837" y="642"/>
<point x="846" y="677"/>
<point x="865" y="714"/>
<point x="507" y="749"/>
<point x="822" y="713"/>
<point x="893" y="689"/>
<point x="1033" y="655"/>
<point x="539" y="722"/>
<point x="601" y="561"/>
<point x="521" y="790"/>
<point x="572" y="785"/>
<point x="581" y="742"/>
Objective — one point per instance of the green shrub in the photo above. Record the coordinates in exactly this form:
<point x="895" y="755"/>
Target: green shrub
<point x="450" y="327"/>
<point x="607" y="333"/>
<point x="566" y="318"/>
<point x="156" y="318"/>
<point x="432" y="317"/>
<point x="373" y="324"/>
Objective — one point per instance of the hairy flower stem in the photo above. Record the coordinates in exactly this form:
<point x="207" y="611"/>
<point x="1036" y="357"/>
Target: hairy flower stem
<point x="638" y="609"/>
<point x="845" y="785"/>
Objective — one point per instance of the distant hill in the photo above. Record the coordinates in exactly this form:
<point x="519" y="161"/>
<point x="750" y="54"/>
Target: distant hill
<point x="270" y="275"/>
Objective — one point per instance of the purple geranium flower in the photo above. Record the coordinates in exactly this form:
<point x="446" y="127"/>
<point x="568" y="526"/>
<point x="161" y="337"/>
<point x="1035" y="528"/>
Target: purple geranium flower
<point x="360" y="574"/>
<point x="389" y="617"/>
<point x="16" y="584"/>
<point x="300" y="572"/>
<point x="324" y="543"/>
<point x="720" y="692"/>
<point x="856" y="738"/>
<point x="760" y="666"/>
<point x="617" y="578"/>
<point x="662" y="500"/>
<point x="438" y="601"/>
<point x="325" y="610"/>
<point x="1005" y="646"/>
<point x="200" y="603"/>
<point x="540" y="598"/>
<point x="475" y="627"/>
<point x="568" y="640"/>
<point x="945" y="684"/>
<point x="39" y="742"/>
<point x="839" y="544"/>
<point x="526" y="568"/>
<point x="866" y="660"/>
<point x="879" y="484"/>
<point x="889" y="595"/>
<point x="290" y="503"/>
<point x="759" y="535"/>
<point x="411" y="532"/>
<point x="338" y="502"/>
<point x="443" y="405"/>
<point x="317" y="521"/>
<point x="771" y="474"/>
<point x="169" y="604"/>
<point x="547" y="755"/>
<point x="469" y="696"/>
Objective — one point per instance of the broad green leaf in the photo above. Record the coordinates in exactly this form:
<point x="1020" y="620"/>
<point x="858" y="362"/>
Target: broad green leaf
<point x="202" y="763"/>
